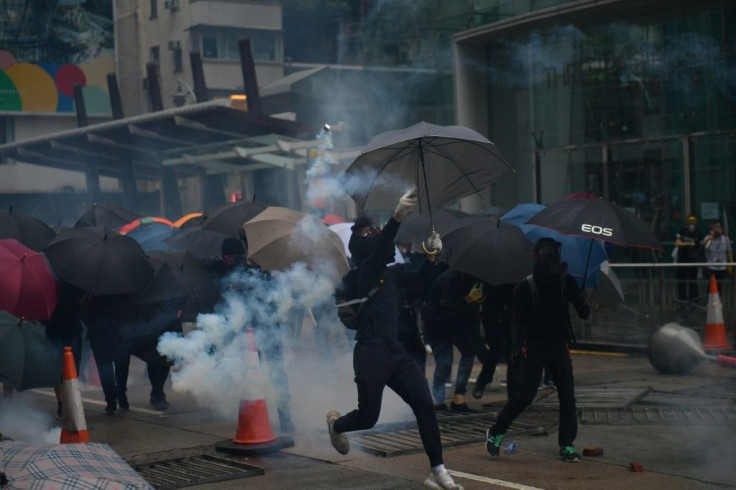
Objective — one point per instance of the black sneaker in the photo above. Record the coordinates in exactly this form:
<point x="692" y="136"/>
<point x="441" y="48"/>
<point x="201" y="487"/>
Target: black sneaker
<point x="111" y="408"/>
<point x="440" y="407"/>
<point x="493" y="443"/>
<point x="123" y="402"/>
<point x="461" y="408"/>
<point x="478" y="392"/>
<point x="569" y="454"/>
<point x="159" y="403"/>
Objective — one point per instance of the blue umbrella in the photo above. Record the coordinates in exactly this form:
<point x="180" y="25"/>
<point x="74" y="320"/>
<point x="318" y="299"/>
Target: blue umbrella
<point x="575" y="250"/>
<point x="152" y="236"/>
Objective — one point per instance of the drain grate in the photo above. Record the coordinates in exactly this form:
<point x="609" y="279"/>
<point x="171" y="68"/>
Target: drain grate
<point x="595" y="397"/>
<point x="396" y="439"/>
<point x="194" y="470"/>
<point x="660" y="416"/>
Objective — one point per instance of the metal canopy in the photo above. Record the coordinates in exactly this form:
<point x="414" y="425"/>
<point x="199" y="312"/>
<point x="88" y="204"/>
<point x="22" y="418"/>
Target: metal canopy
<point x="209" y="136"/>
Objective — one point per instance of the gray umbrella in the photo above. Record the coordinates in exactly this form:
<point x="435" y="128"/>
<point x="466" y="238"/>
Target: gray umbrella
<point x="442" y="162"/>
<point x="29" y="359"/>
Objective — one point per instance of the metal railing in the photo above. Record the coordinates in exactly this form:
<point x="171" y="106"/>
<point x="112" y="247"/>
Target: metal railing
<point x="651" y="300"/>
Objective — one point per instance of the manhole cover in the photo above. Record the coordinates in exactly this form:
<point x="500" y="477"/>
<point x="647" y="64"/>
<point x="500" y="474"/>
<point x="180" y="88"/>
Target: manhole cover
<point x="660" y="416"/>
<point x="194" y="470"/>
<point x="403" y="438"/>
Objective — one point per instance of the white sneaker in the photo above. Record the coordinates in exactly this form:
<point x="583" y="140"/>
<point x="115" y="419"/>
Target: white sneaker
<point x="442" y="479"/>
<point x="339" y="441"/>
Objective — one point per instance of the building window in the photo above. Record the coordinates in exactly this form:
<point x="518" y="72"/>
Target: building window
<point x="155" y="55"/>
<point x="266" y="45"/>
<point x="154" y="9"/>
<point x="209" y="46"/>
<point x="178" y="63"/>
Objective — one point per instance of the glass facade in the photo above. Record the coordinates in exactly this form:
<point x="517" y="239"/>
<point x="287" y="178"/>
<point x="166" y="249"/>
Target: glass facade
<point x="639" y="109"/>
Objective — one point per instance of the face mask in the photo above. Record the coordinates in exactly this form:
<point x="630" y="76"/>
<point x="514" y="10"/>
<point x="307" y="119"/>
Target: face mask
<point x="691" y="227"/>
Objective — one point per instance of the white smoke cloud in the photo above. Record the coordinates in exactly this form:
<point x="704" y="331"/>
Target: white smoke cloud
<point x="21" y="421"/>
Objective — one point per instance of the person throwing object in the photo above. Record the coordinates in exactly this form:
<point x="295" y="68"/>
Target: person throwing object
<point x="379" y="357"/>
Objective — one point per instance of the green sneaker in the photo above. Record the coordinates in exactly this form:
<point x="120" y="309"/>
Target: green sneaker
<point x="493" y="443"/>
<point x="569" y="454"/>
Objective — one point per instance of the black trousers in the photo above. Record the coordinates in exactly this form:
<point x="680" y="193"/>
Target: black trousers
<point x="555" y="356"/>
<point x="378" y="364"/>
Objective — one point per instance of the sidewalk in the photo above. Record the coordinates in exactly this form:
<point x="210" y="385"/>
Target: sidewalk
<point x="692" y="453"/>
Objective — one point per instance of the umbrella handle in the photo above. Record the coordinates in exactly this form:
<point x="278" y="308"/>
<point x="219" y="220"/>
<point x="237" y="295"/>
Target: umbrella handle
<point x="587" y="262"/>
<point x="424" y="247"/>
<point x="426" y="188"/>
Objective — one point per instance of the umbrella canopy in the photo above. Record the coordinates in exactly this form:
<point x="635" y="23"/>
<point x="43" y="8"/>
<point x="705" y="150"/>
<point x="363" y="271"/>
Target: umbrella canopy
<point x="191" y="219"/>
<point x="280" y="237"/>
<point x="107" y="215"/>
<point x="609" y="292"/>
<point x="176" y="274"/>
<point x="416" y="227"/>
<point x="54" y="466"/>
<point x="599" y="219"/>
<point x="152" y="236"/>
<point x="442" y="162"/>
<point x="99" y="261"/>
<point x="30" y="231"/>
<point x="574" y="249"/>
<point x="27" y="285"/>
<point x="29" y="359"/>
<point x="229" y="218"/>
<point x="488" y="249"/>
<point x="203" y="244"/>
<point x="343" y="231"/>
<point x="142" y="222"/>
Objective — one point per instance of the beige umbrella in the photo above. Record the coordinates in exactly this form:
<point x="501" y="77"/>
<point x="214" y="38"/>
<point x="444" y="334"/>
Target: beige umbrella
<point x="280" y="237"/>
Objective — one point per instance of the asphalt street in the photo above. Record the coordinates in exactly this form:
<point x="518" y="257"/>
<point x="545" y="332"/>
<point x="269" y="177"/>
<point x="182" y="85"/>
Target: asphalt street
<point x="680" y="429"/>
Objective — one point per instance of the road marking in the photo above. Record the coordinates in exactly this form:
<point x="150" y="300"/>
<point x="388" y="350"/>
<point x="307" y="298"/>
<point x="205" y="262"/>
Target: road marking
<point x="493" y="481"/>
<point x="99" y="403"/>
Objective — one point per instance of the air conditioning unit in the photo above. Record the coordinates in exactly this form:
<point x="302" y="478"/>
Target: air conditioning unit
<point x="171" y="4"/>
<point x="174" y="45"/>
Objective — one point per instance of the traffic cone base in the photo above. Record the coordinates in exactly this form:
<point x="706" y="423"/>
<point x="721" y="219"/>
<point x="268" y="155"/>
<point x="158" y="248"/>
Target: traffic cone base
<point x="254" y="434"/>
<point x="73" y="424"/>
<point x="715" y="329"/>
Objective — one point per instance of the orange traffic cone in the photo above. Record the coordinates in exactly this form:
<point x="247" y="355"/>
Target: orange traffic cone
<point x="254" y="434"/>
<point x="73" y="424"/>
<point x="715" y="329"/>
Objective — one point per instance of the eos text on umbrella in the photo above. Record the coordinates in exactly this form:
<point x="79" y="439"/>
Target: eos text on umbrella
<point x="598" y="230"/>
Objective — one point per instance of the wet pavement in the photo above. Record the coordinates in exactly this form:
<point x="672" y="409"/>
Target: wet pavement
<point x="681" y="429"/>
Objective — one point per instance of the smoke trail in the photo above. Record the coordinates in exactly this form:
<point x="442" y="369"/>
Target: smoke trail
<point x="21" y="422"/>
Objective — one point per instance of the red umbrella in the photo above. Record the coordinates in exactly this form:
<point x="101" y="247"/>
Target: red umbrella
<point x="27" y="285"/>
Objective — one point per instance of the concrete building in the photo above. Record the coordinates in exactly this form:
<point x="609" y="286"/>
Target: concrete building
<point x="632" y="101"/>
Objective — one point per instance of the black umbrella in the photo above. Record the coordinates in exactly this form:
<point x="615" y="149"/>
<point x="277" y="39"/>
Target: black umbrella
<point x="177" y="274"/>
<point x="488" y="249"/>
<point x="99" y="260"/>
<point x="107" y="215"/>
<point x="203" y="244"/>
<point x="442" y="162"/>
<point x="229" y="218"/>
<point x="29" y="359"/>
<point x="416" y="227"/>
<point x="597" y="219"/>
<point x="30" y="231"/>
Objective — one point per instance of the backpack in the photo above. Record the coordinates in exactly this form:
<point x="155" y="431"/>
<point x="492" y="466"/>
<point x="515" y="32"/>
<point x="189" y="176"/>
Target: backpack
<point x="350" y="309"/>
